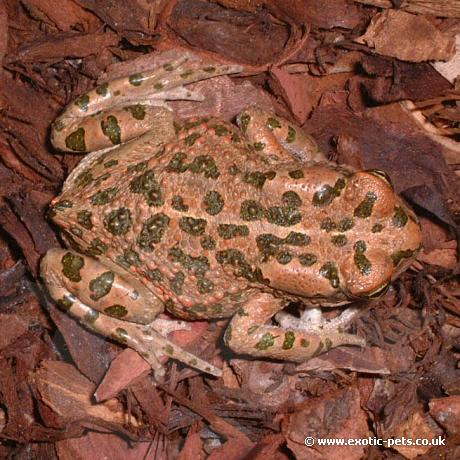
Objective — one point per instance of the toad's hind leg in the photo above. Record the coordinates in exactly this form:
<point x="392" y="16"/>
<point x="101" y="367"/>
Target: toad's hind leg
<point x="249" y="334"/>
<point x="276" y="138"/>
<point x="126" y="107"/>
<point x="114" y="305"/>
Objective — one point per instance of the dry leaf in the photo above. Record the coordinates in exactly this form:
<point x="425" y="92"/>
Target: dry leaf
<point x="407" y="37"/>
<point x="68" y="393"/>
<point x="446" y="411"/>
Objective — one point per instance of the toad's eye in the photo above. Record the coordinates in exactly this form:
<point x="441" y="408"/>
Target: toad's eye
<point x="380" y="291"/>
<point x="382" y="174"/>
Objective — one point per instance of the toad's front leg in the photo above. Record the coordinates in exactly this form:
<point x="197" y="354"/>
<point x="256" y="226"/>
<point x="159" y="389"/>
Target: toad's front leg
<point x="249" y="334"/>
<point x="113" y="304"/>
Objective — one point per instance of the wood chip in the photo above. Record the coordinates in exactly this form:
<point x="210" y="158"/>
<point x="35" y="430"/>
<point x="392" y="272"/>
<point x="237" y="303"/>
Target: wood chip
<point x="407" y="37"/>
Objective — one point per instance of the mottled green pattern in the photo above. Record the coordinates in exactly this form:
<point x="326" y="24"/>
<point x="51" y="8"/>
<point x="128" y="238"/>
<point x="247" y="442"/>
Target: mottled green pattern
<point x="118" y="222"/>
<point x="111" y="129"/>
<point x="147" y="185"/>
<point x="213" y="202"/>
<point x="101" y="285"/>
<point x="71" y="266"/>
<point x="76" y="141"/>
<point x="153" y="230"/>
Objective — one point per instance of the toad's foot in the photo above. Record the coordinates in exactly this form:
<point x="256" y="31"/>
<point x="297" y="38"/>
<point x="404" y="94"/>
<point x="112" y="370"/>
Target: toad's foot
<point x="294" y="340"/>
<point x="312" y="319"/>
<point x="127" y="107"/>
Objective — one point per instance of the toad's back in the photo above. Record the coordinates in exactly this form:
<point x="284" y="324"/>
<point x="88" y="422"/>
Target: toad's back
<point x="203" y="219"/>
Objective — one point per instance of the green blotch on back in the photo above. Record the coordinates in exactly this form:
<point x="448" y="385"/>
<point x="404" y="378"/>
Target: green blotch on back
<point x="229" y="231"/>
<point x="283" y="216"/>
<point x="191" y="139"/>
<point x="118" y="222"/>
<point x="111" y="129"/>
<point x="71" y="266"/>
<point x="265" y="342"/>
<point x="220" y="130"/>
<point x="198" y="265"/>
<point x="137" y="111"/>
<point x="192" y="226"/>
<point x="251" y="210"/>
<point x="154" y="275"/>
<point x="236" y="258"/>
<point x="326" y="194"/>
<point x="137" y="167"/>
<point x="110" y="163"/>
<point x="202" y="164"/>
<point x="297" y="239"/>
<point x="58" y="125"/>
<point x="147" y="185"/>
<point x="136" y="79"/>
<point x="364" y="209"/>
<point x="168" y="67"/>
<point x="103" y="89"/>
<point x="289" y="339"/>
<point x="104" y="196"/>
<point x="177" y="282"/>
<point x="255" y="178"/>
<point x="307" y="259"/>
<point x="66" y="301"/>
<point x="76" y="141"/>
<point x="399" y="217"/>
<point x="377" y="228"/>
<point x="84" y="179"/>
<point x="168" y="349"/>
<point x="304" y="343"/>
<point x="284" y="257"/>
<point x="82" y="102"/>
<point x="330" y="272"/>
<point x="117" y="311"/>
<point x="91" y="316"/>
<point x="319" y="348"/>
<point x="273" y="123"/>
<point x="259" y="146"/>
<point x="128" y="259"/>
<point x="177" y="203"/>
<point x="363" y="263"/>
<point x="345" y="224"/>
<point x="84" y="219"/>
<point x="121" y="335"/>
<point x="296" y="174"/>
<point x="101" y="285"/>
<point x="339" y="240"/>
<point x="213" y="202"/>
<point x="204" y="286"/>
<point x="97" y="247"/>
<point x="153" y="230"/>
<point x="186" y="74"/>
<point x="252" y="329"/>
<point x="397" y="256"/>
<point x="61" y="206"/>
<point x="244" y="121"/>
<point x="291" y="135"/>
<point x="207" y="242"/>
<point x="291" y="199"/>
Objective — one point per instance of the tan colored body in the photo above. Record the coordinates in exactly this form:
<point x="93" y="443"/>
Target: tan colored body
<point x="214" y="222"/>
